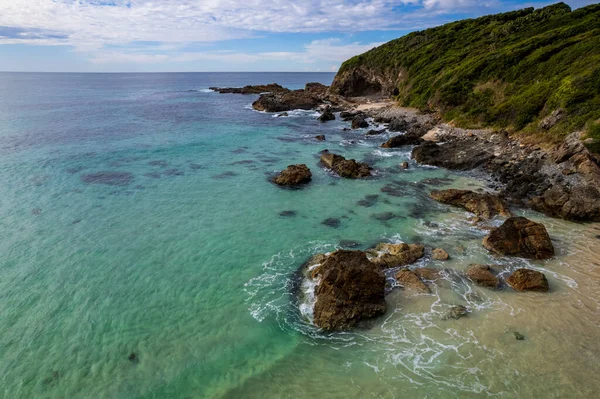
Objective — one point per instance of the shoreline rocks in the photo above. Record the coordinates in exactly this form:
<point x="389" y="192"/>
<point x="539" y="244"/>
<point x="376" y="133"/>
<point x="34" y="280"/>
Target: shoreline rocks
<point x="528" y="280"/>
<point x="483" y="205"/>
<point x="347" y="168"/>
<point x="520" y="237"/>
<point x="482" y="275"/>
<point x="257" y="89"/>
<point x="396" y="255"/>
<point x="293" y="175"/>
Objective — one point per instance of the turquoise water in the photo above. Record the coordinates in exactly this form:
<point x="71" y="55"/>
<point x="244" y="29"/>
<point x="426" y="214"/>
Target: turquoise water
<point x="137" y="216"/>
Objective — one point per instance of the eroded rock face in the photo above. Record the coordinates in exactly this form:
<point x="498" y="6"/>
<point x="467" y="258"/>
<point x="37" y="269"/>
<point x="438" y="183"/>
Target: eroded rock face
<point x="410" y="280"/>
<point x="397" y="255"/>
<point x="458" y="155"/>
<point x="528" y="280"/>
<point x="351" y="290"/>
<point x="520" y="237"/>
<point x="347" y="168"/>
<point x="482" y="275"/>
<point x="293" y="175"/>
<point x="484" y="205"/>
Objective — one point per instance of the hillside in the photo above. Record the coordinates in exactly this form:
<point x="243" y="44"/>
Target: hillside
<point x="508" y="70"/>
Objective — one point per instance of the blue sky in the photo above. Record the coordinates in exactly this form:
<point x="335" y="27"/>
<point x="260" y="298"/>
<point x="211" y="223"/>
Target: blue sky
<point x="215" y="35"/>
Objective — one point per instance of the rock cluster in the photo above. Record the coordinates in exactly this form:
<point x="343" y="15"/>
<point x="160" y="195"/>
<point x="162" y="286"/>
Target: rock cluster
<point x="520" y="237"/>
<point x="396" y="255"/>
<point x="483" y="205"/>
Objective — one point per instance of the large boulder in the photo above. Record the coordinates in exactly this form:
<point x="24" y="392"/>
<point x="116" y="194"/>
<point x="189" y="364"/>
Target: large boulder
<point x="484" y="205"/>
<point x="347" y="168"/>
<point x="410" y="280"/>
<point x="520" y="237"/>
<point x="528" y="280"/>
<point x="458" y="155"/>
<point x="351" y="289"/>
<point x="327" y="115"/>
<point x="396" y="255"/>
<point x="293" y="175"/>
<point x="360" y="121"/>
<point x="482" y="275"/>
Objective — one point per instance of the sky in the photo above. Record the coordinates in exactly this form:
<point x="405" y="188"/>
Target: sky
<point x="216" y="35"/>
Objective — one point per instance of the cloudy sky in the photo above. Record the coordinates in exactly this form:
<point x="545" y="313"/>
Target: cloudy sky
<point x="215" y="35"/>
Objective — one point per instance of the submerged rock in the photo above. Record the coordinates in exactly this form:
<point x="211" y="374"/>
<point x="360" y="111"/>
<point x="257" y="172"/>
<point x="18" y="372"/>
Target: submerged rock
<point x="349" y="244"/>
<point x="528" y="280"/>
<point x="411" y="280"/>
<point x="396" y="255"/>
<point x="404" y="165"/>
<point x="427" y="273"/>
<point x="108" y="178"/>
<point x="440" y="254"/>
<point x="133" y="357"/>
<point x="320" y="137"/>
<point x="332" y="222"/>
<point x="520" y="237"/>
<point x="519" y="336"/>
<point x="293" y="175"/>
<point x="351" y="290"/>
<point x="482" y="275"/>
<point x="455" y="312"/>
<point x="368" y="201"/>
<point x="484" y="205"/>
<point x="347" y="168"/>
<point x="288" y="214"/>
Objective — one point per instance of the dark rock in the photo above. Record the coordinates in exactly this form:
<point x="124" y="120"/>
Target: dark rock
<point x="320" y="137"/>
<point x="174" y="172"/>
<point x="398" y="125"/>
<point x="349" y="115"/>
<point x="375" y="132"/>
<point x="108" y="178"/>
<point x="483" y="205"/>
<point x="411" y="280"/>
<point x="520" y="237"/>
<point x="483" y="276"/>
<point x="287" y="101"/>
<point x="528" y="280"/>
<point x="194" y="166"/>
<point x="269" y="88"/>
<point x="162" y="164"/>
<point x="519" y="336"/>
<point x="404" y="165"/>
<point x="402" y="140"/>
<point x="360" y="121"/>
<point x="316" y="88"/>
<point x="548" y="122"/>
<point x="427" y="273"/>
<point x="332" y="222"/>
<point x="384" y="216"/>
<point x="327" y="115"/>
<point x="347" y="168"/>
<point x="288" y="213"/>
<point x="452" y="155"/>
<point x="455" y="312"/>
<point x="351" y="290"/>
<point x="133" y="357"/>
<point x="36" y="211"/>
<point x="76" y="221"/>
<point x="293" y="175"/>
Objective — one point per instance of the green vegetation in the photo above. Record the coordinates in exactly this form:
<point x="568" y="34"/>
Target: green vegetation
<point x="507" y="70"/>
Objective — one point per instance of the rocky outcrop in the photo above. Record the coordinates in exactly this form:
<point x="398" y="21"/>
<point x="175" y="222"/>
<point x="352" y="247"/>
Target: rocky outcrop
<point x="483" y="205"/>
<point x="347" y="168"/>
<point x="427" y="273"/>
<point x="451" y="155"/>
<point x="363" y="81"/>
<point x="286" y="101"/>
<point x="410" y="280"/>
<point x="455" y="312"/>
<point x="258" y="89"/>
<point x="520" y="237"/>
<point x="482" y="275"/>
<point x="293" y="175"/>
<point x="396" y="255"/>
<point x="320" y="137"/>
<point x="351" y="290"/>
<point x="528" y="280"/>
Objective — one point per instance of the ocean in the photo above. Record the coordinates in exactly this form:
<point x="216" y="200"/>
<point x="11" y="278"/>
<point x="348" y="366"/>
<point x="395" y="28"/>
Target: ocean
<point x="144" y="253"/>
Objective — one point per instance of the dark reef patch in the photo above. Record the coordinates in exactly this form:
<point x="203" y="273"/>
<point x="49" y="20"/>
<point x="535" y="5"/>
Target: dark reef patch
<point x="332" y="222"/>
<point x="368" y="201"/>
<point x="288" y="214"/>
<point x="224" y="175"/>
<point x="108" y="178"/>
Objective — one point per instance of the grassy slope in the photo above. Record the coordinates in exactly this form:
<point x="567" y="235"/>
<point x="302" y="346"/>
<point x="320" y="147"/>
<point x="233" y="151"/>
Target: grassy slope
<point x="506" y="70"/>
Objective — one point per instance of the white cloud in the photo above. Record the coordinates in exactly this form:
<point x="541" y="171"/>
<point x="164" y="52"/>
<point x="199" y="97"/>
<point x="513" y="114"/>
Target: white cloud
<point x="316" y="51"/>
<point x="92" y="24"/>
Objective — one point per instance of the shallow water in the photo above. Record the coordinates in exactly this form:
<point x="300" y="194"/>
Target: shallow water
<point x="137" y="216"/>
